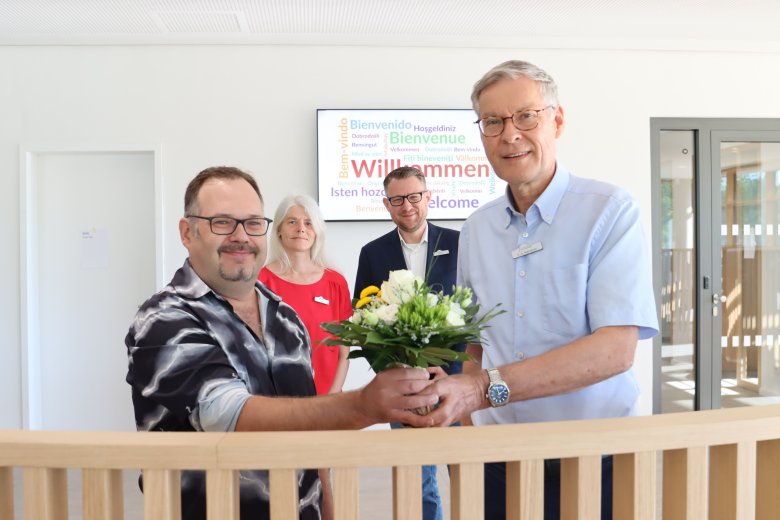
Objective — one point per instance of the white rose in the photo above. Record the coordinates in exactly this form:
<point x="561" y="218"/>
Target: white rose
<point x="432" y="300"/>
<point x="388" y="313"/>
<point x="455" y="315"/>
<point x="402" y="278"/>
<point x="356" y="318"/>
<point x="388" y="295"/>
<point x="399" y="287"/>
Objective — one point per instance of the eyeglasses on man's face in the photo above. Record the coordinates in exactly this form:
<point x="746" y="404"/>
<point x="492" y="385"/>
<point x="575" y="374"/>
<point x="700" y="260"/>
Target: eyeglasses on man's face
<point x="493" y="126"/>
<point x="255" y="226"/>
<point x="413" y="198"/>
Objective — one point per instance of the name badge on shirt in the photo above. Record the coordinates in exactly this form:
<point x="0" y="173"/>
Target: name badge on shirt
<point x="527" y="249"/>
<point x="320" y="299"/>
<point x="440" y="252"/>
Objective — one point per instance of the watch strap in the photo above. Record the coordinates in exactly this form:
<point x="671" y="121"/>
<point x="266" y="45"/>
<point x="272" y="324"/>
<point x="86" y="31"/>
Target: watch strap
<point x="494" y="375"/>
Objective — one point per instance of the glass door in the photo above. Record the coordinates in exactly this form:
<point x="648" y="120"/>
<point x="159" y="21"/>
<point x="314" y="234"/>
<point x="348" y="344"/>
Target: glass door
<point x="678" y="273"/>
<point x="716" y="241"/>
<point x="748" y="303"/>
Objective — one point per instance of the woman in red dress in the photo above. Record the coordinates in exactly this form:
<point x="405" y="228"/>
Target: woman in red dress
<point x="297" y="271"/>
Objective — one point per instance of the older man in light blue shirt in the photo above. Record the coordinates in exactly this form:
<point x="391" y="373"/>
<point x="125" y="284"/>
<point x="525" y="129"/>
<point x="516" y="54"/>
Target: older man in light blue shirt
<point x="577" y="261"/>
<point x="567" y="259"/>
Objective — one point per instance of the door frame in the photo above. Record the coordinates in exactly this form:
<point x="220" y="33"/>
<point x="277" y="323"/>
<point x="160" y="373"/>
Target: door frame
<point x="30" y="362"/>
<point x="707" y="254"/>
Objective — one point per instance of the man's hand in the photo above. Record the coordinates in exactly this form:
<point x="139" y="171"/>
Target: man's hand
<point x="391" y="395"/>
<point x="436" y="373"/>
<point x="458" y="395"/>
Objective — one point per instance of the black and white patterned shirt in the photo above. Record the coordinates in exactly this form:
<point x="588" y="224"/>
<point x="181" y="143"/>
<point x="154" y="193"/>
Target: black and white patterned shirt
<point x="193" y="363"/>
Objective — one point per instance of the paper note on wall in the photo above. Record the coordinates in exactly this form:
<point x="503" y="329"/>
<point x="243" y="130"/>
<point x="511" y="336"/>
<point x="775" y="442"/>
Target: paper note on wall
<point x="94" y="249"/>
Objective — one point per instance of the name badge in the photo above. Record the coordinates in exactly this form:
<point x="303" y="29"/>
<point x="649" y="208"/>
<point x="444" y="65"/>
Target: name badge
<point x="527" y="249"/>
<point x="441" y="252"/>
<point x="320" y="299"/>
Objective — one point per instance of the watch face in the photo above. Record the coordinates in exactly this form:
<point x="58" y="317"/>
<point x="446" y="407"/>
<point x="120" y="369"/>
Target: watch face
<point x="498" y="394"/>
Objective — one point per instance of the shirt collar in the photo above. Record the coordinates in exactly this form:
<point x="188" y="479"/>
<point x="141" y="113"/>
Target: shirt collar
<point x="547" y="203"/>
<point x="188" y="284"/>
<point x="413" y="247"/>
<point x="551" y="197"/>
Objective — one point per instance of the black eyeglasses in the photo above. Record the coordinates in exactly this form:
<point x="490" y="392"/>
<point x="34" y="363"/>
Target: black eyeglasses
<point x="493" y="126"/>
<point x="413" y="198"/>
<point x="255" y="226"/>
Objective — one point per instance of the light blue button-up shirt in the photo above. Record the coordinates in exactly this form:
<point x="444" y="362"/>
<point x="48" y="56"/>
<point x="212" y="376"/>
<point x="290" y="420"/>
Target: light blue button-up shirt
<point x="575" y="262"/>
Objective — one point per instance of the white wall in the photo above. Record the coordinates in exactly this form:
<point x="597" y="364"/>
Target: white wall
<point x="208" y="105"/>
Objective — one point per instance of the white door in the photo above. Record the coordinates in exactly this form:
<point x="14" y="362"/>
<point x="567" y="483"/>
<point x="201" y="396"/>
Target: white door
<point x="95" y="241"/>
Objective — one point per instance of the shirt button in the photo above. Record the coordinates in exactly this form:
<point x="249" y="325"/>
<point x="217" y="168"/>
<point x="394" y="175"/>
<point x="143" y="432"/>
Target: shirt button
<point x="525" y="235"/>
<point x="521" y="274"/>
<point x="520" y="355"/>
<point x="520" y="314"/>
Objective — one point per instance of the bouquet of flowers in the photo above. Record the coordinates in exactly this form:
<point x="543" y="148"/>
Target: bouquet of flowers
<point x="406" y="323"/>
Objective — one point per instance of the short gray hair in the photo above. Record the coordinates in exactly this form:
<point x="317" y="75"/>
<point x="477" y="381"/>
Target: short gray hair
<point x="276" y="251"/>
<point x="513" y="69"/>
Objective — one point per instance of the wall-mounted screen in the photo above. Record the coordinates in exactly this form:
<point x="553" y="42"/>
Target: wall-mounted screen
<point x="357" y="148"/>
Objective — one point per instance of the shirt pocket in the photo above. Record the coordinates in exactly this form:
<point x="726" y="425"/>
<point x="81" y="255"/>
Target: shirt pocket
<point x="564" y="301"/>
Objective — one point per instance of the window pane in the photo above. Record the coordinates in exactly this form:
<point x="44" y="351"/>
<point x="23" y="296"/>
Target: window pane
<point x="750" y="255"/>
<point x="678" y="386"/>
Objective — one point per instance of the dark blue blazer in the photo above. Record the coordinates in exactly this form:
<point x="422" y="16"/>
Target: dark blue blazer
<point x="385" y="254"/>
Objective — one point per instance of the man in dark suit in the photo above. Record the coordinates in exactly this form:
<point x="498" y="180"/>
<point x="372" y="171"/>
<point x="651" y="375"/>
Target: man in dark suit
<point x="429" y="251"/>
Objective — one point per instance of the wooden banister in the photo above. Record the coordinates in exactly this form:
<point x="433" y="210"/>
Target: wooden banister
<point x="716" y="464"/>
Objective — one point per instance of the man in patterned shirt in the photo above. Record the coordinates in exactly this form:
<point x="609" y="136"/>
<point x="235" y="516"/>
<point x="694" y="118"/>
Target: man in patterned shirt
<point x="215" y="350"/>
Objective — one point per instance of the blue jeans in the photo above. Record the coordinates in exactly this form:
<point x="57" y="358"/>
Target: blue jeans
<point x="431" y="500"/>
<point x="495" y="490"/>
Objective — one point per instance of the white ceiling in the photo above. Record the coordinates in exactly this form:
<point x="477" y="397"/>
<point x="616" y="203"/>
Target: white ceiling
<point x="747" y="25"/>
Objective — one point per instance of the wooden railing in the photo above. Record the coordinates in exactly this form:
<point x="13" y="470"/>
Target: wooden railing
<point x="722" y="464"/>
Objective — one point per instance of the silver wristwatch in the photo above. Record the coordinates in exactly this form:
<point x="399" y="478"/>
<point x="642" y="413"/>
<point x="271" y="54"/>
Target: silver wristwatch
<point x="497" y="390"/>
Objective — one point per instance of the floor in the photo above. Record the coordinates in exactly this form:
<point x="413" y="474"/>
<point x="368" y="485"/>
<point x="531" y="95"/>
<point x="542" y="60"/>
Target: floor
<point x="678" y="384"/>
<point x="375" y="494"/>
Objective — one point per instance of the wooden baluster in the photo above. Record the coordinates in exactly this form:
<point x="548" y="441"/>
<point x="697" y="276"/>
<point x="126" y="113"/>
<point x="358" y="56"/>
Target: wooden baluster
<point x="581" y="488"/>
<point x="723" y="485"/>
<point x="284" y="493"/>
<point x="103" y="494"/>
<point x="467" y="491"/>
<point x="222" y="494"/>
<point x="407" y="492"/>
<point x="685" y="484"/>
<point x="6" y="493"/>
<point x="525" y="490"/>
<point x="733" y="482"/>
<point x="768" y="474"/>
<point x="45" y="492"/>
<point x="746" y="480"/>
<point x="346" y="494"/>
<point x="162" y="494"/>
<point x="634" y="478"/>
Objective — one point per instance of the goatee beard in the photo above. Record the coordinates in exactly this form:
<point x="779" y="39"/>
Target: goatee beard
<point x="239" y="276"/>
<point x="242" y="275"/>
